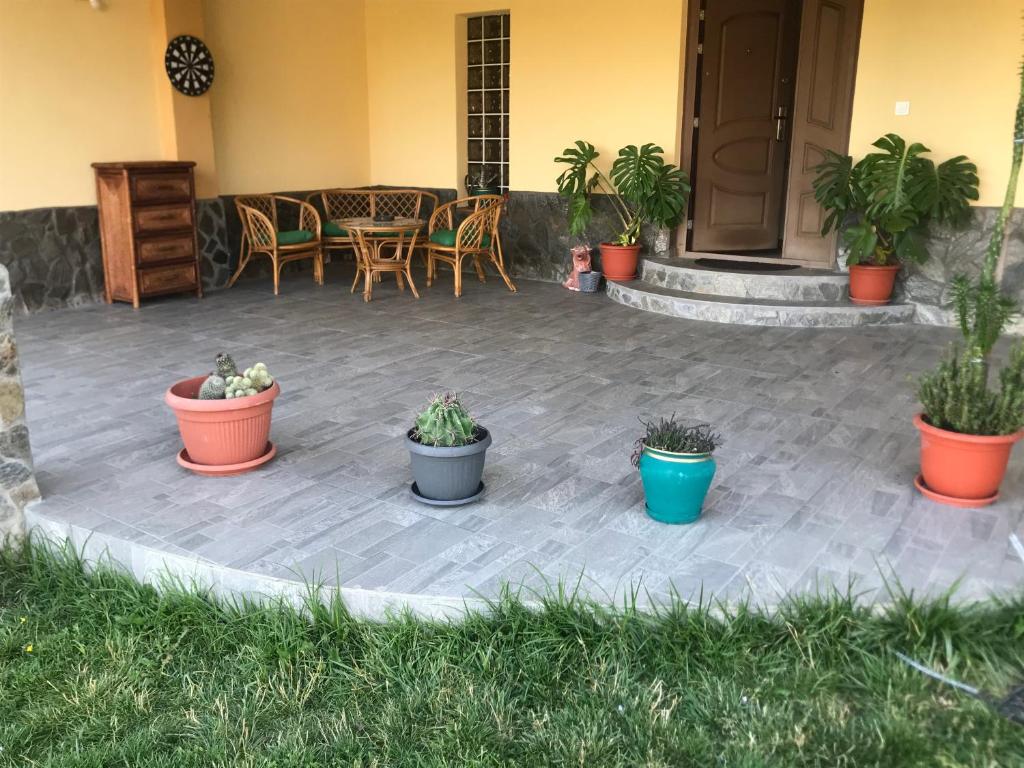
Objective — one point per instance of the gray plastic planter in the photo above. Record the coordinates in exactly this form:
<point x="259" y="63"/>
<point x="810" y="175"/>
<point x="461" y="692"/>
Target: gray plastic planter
<point x="448" y="475"/>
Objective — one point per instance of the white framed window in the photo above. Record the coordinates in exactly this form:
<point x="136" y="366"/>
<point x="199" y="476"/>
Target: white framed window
<point x="487" y="79"/>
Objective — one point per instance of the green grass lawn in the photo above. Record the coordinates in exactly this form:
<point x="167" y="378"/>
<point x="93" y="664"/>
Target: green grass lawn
<point x="99" y="671"/>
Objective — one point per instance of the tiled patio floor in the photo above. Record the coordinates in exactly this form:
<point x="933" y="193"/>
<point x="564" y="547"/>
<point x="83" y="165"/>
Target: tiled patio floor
<point x="814" y="482"/>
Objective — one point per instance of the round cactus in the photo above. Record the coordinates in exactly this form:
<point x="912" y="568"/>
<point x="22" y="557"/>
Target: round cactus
<point x="445" y="423"/>
<point x="249" y="382"/>
<point x="213" y="388"/>
<point x="226" y="365"/>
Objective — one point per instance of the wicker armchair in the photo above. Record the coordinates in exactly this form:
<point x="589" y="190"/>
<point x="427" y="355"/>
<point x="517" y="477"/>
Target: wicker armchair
<point x="261" y="234"/>
<point x="476" y="237"/>
<point x="340" y="204"/>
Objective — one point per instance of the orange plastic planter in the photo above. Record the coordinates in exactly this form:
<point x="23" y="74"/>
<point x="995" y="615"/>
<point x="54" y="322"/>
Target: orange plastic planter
<point x="618" y="262"/>
<point x="222" y="433"/>
<point x="962" y="470"/>
<point x="872" y="285"/>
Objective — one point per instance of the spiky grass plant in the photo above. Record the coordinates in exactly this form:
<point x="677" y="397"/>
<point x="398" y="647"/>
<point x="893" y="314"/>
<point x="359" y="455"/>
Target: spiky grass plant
<point x="956" y="395"/>
<point x="669" y="435"/>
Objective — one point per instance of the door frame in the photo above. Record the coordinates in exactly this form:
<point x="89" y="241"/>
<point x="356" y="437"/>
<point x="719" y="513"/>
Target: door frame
<point x="689" y="97"/>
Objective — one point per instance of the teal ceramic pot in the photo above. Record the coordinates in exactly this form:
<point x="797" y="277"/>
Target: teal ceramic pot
<point x="675" y="484"/>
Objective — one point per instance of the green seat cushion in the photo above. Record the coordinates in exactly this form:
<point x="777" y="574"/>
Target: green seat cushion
<point x="294" y="237"/>
<point x="331" y="229"/>
<point x="447" y="237"/>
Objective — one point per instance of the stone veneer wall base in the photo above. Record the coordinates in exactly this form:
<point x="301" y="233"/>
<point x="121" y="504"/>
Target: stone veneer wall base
<point x="53" y="254"/>
<point x="17" y="479"/>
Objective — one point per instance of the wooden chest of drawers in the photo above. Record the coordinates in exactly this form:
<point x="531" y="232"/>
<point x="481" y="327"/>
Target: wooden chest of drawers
<point x="148" y="229"/>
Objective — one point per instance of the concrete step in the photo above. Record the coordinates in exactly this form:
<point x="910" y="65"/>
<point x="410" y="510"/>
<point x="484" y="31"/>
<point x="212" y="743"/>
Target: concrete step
<point x="745" y="311"/>
<point x="799" y="284"/>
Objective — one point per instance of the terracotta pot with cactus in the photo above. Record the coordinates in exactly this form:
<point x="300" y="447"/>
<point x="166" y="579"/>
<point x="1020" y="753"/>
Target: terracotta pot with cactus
<point x="224" y="418"/>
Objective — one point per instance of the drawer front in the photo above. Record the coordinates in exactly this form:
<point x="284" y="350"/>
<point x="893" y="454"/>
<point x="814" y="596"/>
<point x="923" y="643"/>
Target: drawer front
<point x="161" y="187"/>
<point x="163" y="218"/>
<point x="175" y="248"/>
<point x="177" y="277"/>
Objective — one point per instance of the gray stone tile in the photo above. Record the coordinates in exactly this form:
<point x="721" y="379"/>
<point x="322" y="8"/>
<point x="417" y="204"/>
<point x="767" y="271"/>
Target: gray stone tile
<point x="813" y="483"/>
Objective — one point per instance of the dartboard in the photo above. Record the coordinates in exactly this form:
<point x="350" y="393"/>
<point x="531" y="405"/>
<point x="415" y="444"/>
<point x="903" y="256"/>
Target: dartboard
<point x="189" y="65"/>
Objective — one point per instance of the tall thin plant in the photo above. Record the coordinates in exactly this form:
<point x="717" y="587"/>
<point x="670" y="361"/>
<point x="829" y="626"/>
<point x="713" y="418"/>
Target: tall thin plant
<point x="956" y="396"/>
<point x="982" y="309"/>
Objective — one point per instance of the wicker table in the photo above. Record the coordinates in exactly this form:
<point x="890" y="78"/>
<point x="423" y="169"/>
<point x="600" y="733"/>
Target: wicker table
<point x="372" y="240"/>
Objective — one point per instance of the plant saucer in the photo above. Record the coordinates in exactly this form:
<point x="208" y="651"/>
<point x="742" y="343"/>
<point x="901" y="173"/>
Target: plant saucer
<point x="952" y="501"/>
<point x="447" y="503"/>
<point x="227" y="470"/>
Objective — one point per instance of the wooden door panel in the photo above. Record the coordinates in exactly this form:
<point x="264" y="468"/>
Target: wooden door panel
<point x="829" y="35"/>
<point x="746" y="75"/>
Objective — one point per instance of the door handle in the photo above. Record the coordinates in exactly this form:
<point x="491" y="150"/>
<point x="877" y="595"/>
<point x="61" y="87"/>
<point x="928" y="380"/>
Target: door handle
<point x="780" y="122"/>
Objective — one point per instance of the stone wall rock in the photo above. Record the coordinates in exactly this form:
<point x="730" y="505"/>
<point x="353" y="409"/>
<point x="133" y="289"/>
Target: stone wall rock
<point x="961" y="251"/>
<point x="17" y="480"/>
<point x="54" y="259"/>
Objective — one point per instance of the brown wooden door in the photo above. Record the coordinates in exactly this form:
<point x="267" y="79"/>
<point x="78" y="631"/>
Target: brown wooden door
<point x="745" y="78"/>
<point x="830" y="30"/>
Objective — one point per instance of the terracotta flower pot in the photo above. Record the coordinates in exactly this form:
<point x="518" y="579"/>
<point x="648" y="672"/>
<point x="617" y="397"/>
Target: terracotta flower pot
<point x="618" y="262"/>
<point x="872" y="285"/>
<point x="222" y="433"/>
<point x="962" y="470"/>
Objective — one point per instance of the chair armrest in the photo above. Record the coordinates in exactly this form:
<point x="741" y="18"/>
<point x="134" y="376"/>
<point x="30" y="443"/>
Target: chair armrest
<point x="443" y="217"/>
<point x="309" y="219"/>
<point x="258" y="227"/>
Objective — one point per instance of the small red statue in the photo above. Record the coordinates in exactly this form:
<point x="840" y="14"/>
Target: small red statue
<point x="580" y="263"/>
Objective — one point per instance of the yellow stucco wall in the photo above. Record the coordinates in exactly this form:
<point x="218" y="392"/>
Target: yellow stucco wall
<point x="76" y="86"/>
<point x="313" y="93"/>
<point x="956" y="63"/>
<point x="583" y="69"/>
<point x="186" y="130"/>
<point x="289" y="99"/>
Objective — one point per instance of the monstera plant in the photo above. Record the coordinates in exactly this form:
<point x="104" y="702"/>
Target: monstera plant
<point x="641" y="187"/>
<point x="882" y="205"/>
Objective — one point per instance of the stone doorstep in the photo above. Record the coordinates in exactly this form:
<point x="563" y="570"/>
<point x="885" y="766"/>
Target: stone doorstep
<point x="745" y="311"/>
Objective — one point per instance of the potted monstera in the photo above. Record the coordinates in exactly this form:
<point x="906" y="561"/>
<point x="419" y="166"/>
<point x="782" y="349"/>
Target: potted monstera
<point x="676" y="468"/>
<point x="447" y="449"/>
<point x="882" y="204"/>
<point x="642" y="188"/>
<point x="968" y="430"/>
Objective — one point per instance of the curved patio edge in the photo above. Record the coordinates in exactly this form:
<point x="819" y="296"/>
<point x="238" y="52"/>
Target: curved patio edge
<point x="157" y="568"/>
<point x="160" y="569"/>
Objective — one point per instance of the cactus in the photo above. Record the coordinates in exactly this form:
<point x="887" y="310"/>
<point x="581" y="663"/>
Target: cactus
<point x="239" y="386"/>
<point x="259" y="376"/>
<point x="213" y="388"/>
<point x="445" y="423"/>
<point x="226" y="365"/>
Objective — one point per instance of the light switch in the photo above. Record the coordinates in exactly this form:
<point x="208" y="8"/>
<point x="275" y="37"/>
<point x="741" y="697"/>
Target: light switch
<point x="902" y="108"/>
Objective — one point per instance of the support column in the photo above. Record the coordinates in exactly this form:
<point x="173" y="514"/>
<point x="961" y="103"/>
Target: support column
<point x="17" y="480"/>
